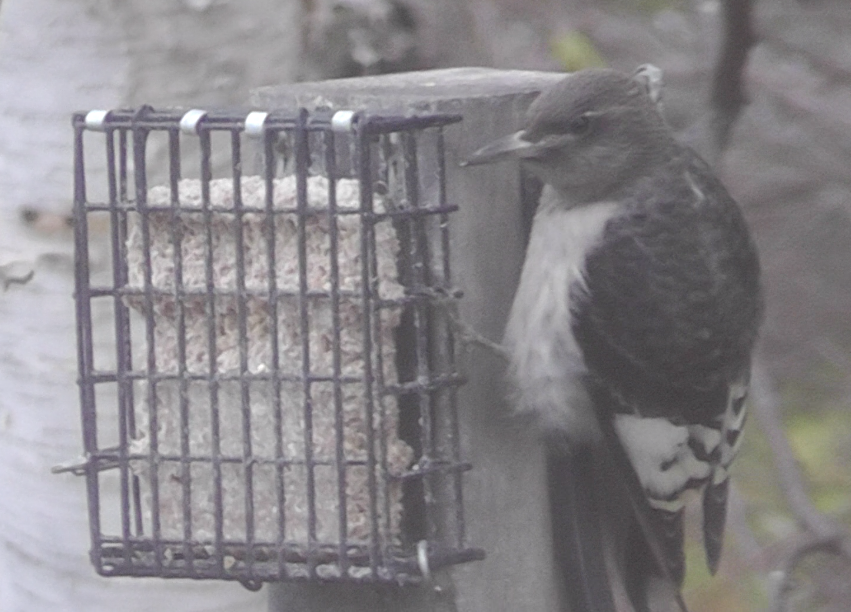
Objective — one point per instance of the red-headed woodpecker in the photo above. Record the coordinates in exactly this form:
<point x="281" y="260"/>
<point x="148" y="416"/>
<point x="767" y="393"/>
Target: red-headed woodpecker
<point x="630" y="335"/>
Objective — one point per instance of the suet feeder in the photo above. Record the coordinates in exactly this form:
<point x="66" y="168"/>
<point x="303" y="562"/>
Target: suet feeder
<point x="278" y="396"/>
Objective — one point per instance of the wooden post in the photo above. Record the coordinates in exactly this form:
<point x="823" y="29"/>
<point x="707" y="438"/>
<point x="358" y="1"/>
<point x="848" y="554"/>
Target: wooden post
<point x="505" y="495"/>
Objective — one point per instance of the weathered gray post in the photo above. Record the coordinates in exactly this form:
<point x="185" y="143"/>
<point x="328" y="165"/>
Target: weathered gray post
<point x="505" y="496"/>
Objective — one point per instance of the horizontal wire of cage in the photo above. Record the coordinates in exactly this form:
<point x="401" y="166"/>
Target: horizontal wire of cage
<point x="267" y="370"/>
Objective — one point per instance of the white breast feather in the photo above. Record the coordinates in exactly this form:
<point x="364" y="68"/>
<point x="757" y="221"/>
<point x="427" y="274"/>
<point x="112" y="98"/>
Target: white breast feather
<point x="546" y="362"/>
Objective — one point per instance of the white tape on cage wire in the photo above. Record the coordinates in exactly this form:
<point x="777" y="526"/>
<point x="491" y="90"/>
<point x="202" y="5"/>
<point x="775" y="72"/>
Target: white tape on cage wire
<point x="342" y="121"/>
<point x="255" y="123"/>
<point x="189" y="122"/>
<point x="95" y="119"/>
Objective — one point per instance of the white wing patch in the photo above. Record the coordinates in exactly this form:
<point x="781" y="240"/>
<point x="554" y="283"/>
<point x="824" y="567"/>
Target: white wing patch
<point x="670" y="458"/>
<point x="661" y="456"/>
<point x="708" y="437"/>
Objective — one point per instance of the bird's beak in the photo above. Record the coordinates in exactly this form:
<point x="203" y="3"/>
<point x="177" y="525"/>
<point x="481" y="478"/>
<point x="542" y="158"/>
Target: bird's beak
<point x="512" y="145"/>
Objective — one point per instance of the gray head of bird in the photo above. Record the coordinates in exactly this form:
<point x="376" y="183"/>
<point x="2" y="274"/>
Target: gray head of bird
<point x="588" y="136"/>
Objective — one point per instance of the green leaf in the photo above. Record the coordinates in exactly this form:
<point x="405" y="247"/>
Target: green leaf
<point x="575" y="51"/>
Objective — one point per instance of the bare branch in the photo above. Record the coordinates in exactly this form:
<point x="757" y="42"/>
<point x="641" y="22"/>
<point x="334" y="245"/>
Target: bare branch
<point x="747" y="543"/>
<point x="822" y="533"/>
<point x="806" y="547"/>
<point x="765" y="405"/>
<point x="728" y="93"/>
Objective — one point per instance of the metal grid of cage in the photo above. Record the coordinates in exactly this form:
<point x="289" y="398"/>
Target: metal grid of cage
<point x="267" y="366"/>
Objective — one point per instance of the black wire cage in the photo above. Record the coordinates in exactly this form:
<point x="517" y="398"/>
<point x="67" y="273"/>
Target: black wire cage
<point x="267" y="364"/>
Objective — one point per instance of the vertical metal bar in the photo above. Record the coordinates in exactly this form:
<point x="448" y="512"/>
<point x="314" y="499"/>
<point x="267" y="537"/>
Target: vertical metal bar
<point x="454" y="425"/>
<point x="378" y="335"/>
<point x="85" y="348"/>
<point x="367" y="239"/>
<point x="440" y="150"/>
<point x="336" y="365"/>
<point x="242" y="340"/>
<point x="302" y="161"/>
<point x="383" y="169"/>
<point x="269" y="139"/>
<point x="140" y="135"/>
<point x="386" y="174"/>
<point x="123" y="363"/>
<point x="420" y="269"/>
<point x="212" y="366"/>
<point x="122" y="166"/>
<point x="130" y="394"/>
<point x="176" y="231"/>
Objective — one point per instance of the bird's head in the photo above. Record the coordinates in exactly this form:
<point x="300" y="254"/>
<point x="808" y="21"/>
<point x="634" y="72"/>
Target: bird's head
<point x="588" y="136"/>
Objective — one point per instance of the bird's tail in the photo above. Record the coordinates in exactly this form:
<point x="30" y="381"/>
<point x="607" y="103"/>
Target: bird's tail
<point x="608" y="552"/>
<point x="653" y="561"/>
<point x="575" y="511"/>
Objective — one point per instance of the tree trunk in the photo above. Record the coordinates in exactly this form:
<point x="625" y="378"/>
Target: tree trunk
<point x="58" y="56"/>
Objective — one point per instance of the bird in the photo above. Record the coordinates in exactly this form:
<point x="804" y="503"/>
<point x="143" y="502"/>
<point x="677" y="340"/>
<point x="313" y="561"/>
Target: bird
<point x="630" y="336"/>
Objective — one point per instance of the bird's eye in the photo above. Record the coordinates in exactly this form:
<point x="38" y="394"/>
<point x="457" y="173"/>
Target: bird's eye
<point x="579" y="126"/>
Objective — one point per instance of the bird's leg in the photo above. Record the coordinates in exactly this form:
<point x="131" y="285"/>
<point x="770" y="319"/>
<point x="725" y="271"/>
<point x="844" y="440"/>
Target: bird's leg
<point x="467" y="335"/>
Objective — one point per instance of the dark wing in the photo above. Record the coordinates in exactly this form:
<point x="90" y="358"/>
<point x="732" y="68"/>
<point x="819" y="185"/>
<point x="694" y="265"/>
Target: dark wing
<point x="714" y="517"/>
<point x="715" y="493"/>
<point x="666" y="317"/>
